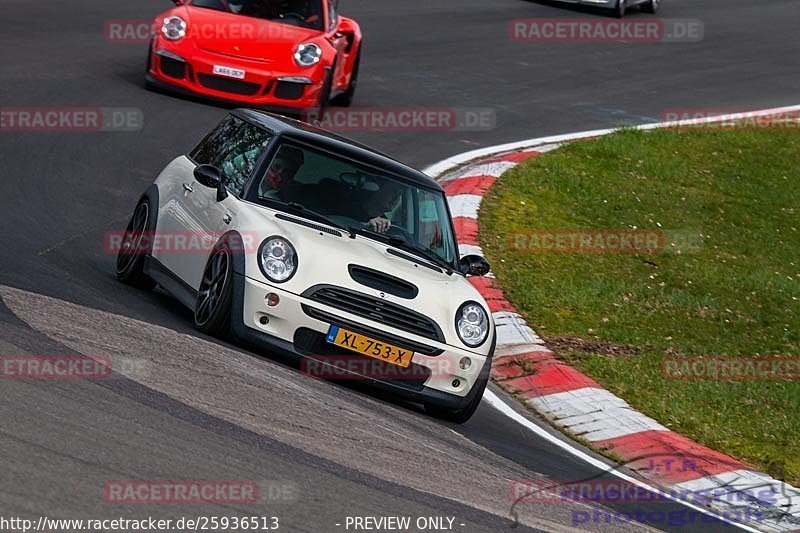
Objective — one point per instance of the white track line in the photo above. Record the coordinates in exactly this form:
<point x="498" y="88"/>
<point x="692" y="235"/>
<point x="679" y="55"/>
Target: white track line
<point x="439" y="168"/>
<point x="492" y="399"/>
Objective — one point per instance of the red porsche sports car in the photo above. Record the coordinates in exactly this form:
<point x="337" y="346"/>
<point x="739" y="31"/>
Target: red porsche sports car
<point x="290" y="55"/>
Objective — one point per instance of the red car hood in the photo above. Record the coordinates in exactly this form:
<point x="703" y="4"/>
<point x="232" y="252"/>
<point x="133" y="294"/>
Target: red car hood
<point x="244" y="37"/>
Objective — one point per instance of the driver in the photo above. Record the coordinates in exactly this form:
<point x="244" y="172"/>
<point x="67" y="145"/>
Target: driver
<point x="306" y="9"/>
<point x="282" y="171"/>
<point x="383" y="201"/>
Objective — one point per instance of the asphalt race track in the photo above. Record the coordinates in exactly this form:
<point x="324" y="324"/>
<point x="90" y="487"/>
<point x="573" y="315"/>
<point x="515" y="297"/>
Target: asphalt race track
<point x="191" y="407"/>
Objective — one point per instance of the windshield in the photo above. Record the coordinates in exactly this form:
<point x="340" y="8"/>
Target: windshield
<point x="306" y="13"/>
<point x="359" y="197"/>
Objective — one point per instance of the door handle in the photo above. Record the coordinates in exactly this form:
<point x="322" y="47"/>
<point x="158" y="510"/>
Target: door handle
<point x="226" y="219"/>
<point x="187" y="187"/>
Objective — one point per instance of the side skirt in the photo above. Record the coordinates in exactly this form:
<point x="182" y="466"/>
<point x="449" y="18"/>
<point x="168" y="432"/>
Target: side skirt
<point x="170" y="282"/>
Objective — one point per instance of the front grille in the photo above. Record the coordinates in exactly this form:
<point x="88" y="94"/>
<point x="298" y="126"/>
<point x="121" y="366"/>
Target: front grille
<point x="320" y="353"/>
<point x="173" y="68"/>
<point x="406" y="344"/>
<point x="376" y="309"/>
<point x="228" y="85"/>
<point x="289" y="90"/>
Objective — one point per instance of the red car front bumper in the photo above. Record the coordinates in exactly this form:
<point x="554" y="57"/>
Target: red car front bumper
<point x="187" y="69"/>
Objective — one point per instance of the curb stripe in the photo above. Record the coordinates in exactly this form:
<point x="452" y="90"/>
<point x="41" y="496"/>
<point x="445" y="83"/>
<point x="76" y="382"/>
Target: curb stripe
<point x="668" y="456"/>
<point x="517" y="157"/>
<point x="491" y="292"/>
<point x="518" y="365"/>
<point x="495" y="170"/>
<point x="464" y="205"/>
<point x="468" y="185"/>
<point x="469" y="249"/>
<point x="550" y="377"/>
<point x="466" y="230"/>
<point x="511" y="328"/>
<point x="594" y="414"/>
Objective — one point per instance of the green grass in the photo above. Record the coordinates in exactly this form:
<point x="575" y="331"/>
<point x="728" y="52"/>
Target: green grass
<point x="727" y="282"/>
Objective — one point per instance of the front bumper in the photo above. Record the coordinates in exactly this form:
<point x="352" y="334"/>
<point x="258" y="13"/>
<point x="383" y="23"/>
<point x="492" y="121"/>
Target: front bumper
<point x="292" y="330"/>
<point x="190" y="70"/>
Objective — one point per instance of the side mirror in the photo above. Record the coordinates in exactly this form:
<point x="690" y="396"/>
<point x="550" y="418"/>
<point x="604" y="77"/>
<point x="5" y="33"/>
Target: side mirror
<point x="208" y="175"/>
<point x="211" y="177"/>
<point x="474" y="265"/>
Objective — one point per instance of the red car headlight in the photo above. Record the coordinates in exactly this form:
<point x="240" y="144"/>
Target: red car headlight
<point x="308" y="54"/>
<point x="173" y="28"/>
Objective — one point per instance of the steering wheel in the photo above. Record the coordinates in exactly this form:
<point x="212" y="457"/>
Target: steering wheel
<point x="401" y="232"/>
<point x="353" y="180"/>
<point x="297" y="16"/>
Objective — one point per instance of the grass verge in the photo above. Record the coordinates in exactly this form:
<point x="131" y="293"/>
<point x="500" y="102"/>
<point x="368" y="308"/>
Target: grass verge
<point x="724" y="280"/>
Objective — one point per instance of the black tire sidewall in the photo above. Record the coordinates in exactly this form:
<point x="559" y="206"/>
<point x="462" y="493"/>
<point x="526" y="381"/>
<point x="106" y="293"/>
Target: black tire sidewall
<point x="218" y="324"/>
<point x="651" y="7"/>
<point x="346" y="98"/>
<point x="133" y="273"/>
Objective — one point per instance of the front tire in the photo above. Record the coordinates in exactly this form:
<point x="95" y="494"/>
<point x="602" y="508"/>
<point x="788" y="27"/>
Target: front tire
<point x="212" y="310"/>
<point x="459" y="416"/>
<point x="652" y="6"/>
<point x="346" y="98"/>
<point x="149" y="67"/>
<point x="325" y="92"/>
<point x="132" y="252"/>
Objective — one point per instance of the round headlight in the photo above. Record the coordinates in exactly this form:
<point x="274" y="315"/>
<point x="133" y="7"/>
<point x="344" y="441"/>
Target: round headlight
<point x="277" y="259"/>
<point x="472" y="324"/>
<point x="173" y="28"/>
<point x="308" y="54"/>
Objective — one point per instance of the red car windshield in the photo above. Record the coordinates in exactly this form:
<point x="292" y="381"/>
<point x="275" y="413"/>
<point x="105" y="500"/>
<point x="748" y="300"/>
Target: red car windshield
<point x="305" y="13"/>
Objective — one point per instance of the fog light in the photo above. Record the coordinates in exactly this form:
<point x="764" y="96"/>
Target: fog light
<point x="272" y="299"/>
<point x="456" y="383"/>
<point x="264" y="320"/>
<point x="465" y="363"/>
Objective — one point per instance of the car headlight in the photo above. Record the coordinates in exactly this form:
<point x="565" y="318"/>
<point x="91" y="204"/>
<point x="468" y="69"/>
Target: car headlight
<point x="277" y="259"/>
<point x="173" y="28"/>
<point x="472" y="324"/>
<point x="308" y="54"/>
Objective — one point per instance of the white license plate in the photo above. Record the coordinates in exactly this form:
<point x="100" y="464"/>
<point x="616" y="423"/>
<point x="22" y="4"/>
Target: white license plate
<point x="229" y="72"/>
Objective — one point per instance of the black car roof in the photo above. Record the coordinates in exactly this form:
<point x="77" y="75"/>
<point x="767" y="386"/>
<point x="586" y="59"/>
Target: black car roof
<point x="302" y="131"/>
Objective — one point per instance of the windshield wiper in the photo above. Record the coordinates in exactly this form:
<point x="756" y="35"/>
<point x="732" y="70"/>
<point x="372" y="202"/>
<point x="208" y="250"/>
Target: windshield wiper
<point x="301" y="209"/>
<point x="399" y="242"/>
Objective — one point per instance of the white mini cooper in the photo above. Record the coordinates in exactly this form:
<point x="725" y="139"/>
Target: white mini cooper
<point x="321" y="248"/>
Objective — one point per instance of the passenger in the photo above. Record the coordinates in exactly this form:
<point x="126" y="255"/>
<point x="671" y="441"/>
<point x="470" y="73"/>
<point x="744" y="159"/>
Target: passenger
<point x="281" y="172"/>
